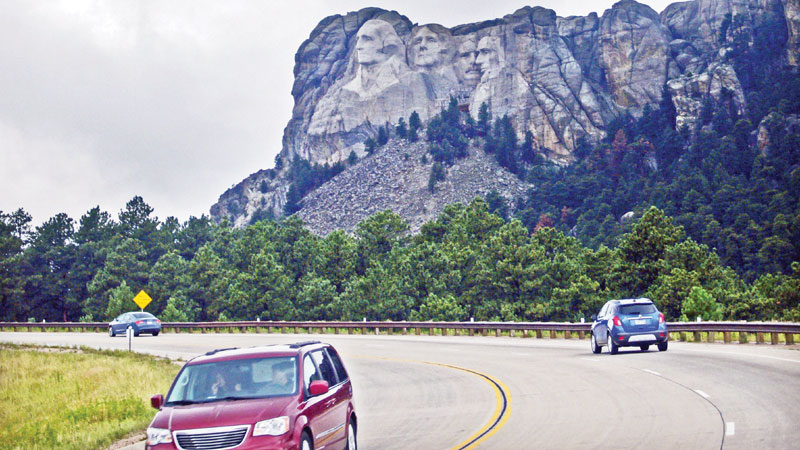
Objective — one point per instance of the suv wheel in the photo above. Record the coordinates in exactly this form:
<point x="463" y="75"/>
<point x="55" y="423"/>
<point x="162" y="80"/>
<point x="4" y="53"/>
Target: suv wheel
<point x="595" y="347"/>
<point x="111" y="332"/>
<point x="612" y="347"/>
<point x="662" y="346"/>
<point x="305" y="442"/>
<point x="351" y="436"/>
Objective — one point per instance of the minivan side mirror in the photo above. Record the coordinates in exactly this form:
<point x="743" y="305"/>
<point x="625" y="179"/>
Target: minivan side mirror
<point x="318" y="387"/>
<point x="156" y="401"/>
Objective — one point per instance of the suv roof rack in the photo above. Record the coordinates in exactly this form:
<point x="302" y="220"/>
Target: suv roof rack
<point x="303" y="344"/>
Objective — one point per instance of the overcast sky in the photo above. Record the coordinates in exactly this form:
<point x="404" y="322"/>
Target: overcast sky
<point x="175" y="101"/>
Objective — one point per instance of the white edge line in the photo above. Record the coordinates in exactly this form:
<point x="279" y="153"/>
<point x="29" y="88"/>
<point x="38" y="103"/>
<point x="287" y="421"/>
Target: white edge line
<point x="652" y="372"/>
<point x="730" y="428"/>
<point x="702" y="394"/>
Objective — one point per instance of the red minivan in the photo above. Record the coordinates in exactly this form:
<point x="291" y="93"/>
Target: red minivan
<point x="287" y="397"/>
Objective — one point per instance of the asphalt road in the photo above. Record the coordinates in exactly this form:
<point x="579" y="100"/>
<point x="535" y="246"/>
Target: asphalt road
<point x="505" y="393"/>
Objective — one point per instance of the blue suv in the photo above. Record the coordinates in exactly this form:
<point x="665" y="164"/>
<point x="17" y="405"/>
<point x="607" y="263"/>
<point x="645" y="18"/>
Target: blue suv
<point x="629" y="323"/>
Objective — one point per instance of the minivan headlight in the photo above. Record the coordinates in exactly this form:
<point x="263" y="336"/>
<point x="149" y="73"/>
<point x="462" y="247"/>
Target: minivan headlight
<point x="272" y="427"/>
<point x="157" y="436"/>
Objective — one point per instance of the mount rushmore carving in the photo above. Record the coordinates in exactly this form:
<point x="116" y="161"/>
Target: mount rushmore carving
<point x="389" y="68"/>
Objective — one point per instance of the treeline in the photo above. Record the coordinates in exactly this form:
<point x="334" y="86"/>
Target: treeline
<point x="468" y="263"/>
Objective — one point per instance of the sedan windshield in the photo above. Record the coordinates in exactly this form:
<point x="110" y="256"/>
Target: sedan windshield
<point x="231" y="380"/>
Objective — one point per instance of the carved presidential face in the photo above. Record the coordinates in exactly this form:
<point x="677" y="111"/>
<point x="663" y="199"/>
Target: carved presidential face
<point x="376" y="41"/>
<point x="490" y="54"/>
<point x="427" y="47"/>
<point x="467" y="68"/>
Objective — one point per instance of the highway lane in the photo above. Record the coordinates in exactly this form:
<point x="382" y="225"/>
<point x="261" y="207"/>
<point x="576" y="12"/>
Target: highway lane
<point x="561" y="395"/>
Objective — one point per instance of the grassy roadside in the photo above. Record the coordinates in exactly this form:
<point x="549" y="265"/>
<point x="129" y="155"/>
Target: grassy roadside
<point x="76" y="398"/>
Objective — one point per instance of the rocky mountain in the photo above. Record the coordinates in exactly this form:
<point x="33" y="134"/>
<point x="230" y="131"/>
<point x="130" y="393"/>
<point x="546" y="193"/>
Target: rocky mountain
<point x="563" y="80"/>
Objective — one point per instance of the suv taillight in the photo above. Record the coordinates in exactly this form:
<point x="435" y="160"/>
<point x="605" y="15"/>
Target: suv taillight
<point x="139" y="322"/>
<point x="661" y="318"/>
<point x="617" y="322"/>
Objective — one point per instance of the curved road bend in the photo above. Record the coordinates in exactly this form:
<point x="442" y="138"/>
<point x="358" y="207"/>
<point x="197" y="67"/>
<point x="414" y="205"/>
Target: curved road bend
<point x="560" y="395"/>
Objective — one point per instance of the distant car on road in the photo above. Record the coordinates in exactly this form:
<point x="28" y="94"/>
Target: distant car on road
<point x="279" y="397"/>
<point x="138" y="322"/>
<point x="629" y="323"/>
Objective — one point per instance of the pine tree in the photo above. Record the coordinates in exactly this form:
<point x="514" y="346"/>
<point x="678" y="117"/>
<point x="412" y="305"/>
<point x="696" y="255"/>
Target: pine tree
<point x="383" y="136"/>
<point x="401" y="129"/>
<point x="414" y="123"/>
<point x="484" y="120"/>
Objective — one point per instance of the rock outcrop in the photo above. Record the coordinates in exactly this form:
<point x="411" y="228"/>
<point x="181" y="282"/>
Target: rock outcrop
<point x="396" y="178"/>
<point x="561" y="79"/>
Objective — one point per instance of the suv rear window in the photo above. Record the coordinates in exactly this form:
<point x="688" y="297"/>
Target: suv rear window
<point x="644" y="308"/>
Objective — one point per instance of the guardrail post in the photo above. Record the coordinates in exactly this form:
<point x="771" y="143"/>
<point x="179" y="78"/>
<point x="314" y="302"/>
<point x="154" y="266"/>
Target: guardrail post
<point x="538" y="334"/>
<point x="774" y="338"/>
<point x="697" y="337"/>
<point x="711" y="337"/>
<point x="525" y="333"/>
<point x="497" y="332"/>
<point x="417" y="331"/>
<point x="759" y="338"/>
<point x="742" y="337"/>
<point x="567" y="334"/>
<point x="726" y="336"/>
<point x="581" y="335"/>
<point x="789" y="338"/>
<point x="553" y="334"/>
<point x="456" y="331"/>
<point x="472" y="332"/>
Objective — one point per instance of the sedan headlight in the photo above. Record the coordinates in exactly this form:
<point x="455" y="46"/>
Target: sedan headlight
<point x="157" y="436"/>
<point x="272" y="427"/>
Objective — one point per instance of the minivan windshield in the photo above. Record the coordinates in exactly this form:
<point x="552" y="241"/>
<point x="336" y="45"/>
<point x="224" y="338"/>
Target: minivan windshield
<point x="644" y="308"/>
<point x="232" y="380"/>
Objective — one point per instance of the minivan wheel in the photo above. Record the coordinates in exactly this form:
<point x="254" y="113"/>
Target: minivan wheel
<point x="662" y="346"/>
<point x="644" y="347"/>
<point x="595" y="347"/>
<point x="612" y="347"/>
<point x="111" y="332"/>
<point x="305" y="442"/>
<point x="351" y="436"/>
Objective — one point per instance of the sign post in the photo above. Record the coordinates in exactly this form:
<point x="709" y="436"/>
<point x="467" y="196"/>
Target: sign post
<point x="142" y="299"/>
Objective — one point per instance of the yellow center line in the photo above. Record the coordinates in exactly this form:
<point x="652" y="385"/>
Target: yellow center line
<point x="501" y="412"/>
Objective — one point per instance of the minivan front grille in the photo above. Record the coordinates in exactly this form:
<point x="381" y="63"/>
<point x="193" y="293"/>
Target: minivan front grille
<point x="220" y="438"/>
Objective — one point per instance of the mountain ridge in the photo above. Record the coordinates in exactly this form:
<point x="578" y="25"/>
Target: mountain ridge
<point x="561" y="79"/>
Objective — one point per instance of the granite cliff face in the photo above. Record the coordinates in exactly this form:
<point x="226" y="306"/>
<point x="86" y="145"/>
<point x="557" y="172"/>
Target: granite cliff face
<point x="561" y="79"/>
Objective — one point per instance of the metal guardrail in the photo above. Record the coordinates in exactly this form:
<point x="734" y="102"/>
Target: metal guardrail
<point x="538" y="329"/>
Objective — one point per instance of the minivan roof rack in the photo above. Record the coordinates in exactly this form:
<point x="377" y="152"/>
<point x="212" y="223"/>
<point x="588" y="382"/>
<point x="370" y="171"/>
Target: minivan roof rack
<point x="303" y="344"/>
<point x="212" y="352"/>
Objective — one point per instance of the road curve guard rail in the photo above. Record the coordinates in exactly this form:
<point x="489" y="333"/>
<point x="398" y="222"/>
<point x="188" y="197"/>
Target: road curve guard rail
<point x="695" y="331"/>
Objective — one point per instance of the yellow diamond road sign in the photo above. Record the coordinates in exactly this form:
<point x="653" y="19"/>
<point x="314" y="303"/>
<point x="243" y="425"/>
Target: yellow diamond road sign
<point x="142" y="299"/>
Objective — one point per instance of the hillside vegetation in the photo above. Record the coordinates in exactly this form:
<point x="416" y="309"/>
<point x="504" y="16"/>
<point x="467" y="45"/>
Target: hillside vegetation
<point x="467" y="263"/>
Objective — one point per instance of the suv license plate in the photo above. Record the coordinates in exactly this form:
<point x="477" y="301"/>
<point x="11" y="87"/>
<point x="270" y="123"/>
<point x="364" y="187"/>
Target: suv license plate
<point x="640" y="322"/>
